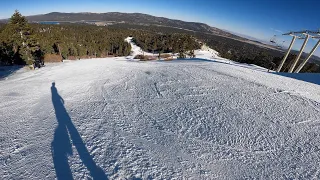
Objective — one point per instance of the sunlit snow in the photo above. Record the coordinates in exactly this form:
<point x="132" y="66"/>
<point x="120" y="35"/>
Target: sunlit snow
<point x="115" y="118"/>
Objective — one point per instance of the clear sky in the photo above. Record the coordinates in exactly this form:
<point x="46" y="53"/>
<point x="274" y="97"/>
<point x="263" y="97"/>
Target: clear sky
<point x="257" y="18"/>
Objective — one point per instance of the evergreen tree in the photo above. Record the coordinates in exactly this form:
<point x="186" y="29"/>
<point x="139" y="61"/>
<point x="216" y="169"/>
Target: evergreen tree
<point x="18" y="34"/>
<point x="182" y="54"/>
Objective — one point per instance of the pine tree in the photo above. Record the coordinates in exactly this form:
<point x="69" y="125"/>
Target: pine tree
<point x="19" y="34"/>
<point x="191" y="54"/>
<point x="182" y="54"/>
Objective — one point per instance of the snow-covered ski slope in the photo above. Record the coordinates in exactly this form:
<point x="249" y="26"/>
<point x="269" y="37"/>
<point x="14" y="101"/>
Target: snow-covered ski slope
<point x="115" y="118"/>
<point x="205" y="52"/>
<point x="136" y="50"/>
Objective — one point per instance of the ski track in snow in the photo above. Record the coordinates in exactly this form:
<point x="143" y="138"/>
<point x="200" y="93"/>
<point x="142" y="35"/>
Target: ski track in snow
<point x="162" y="120"/>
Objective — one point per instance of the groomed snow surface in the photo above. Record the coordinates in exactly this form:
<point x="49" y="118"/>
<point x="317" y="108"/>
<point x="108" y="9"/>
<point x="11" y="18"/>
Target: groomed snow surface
<point x="115" y="118"/>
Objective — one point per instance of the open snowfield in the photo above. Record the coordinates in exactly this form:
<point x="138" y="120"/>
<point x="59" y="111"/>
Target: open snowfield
<point x="186" y="119"/>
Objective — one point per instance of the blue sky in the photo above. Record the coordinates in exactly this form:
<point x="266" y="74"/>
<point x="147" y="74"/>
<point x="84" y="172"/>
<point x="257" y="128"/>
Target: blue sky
<point x="257" y="18"/>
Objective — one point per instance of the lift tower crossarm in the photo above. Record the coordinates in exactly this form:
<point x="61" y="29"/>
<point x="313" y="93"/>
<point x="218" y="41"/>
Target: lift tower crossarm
<point x="289" y="33"/>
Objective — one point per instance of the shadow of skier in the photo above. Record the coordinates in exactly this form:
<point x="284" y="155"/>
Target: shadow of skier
<point x="61" y="144"/>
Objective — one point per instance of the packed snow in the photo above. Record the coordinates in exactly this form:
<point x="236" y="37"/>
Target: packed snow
<point x="114" y="118"/>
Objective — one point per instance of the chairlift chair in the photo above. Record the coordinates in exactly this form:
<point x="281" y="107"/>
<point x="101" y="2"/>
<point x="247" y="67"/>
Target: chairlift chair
<point x="273" y="39"/>
<point x="281" y="46"/>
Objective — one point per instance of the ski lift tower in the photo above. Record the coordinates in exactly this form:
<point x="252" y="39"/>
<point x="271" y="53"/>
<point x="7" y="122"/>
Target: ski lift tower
<point x="306" y="38"/>
<point x="317" y="36"/>
<point x="294" y="37"/>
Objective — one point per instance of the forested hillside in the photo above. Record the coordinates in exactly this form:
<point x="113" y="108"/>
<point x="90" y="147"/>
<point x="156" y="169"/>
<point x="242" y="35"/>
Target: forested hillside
<point x="24" y="43"/>
<point x="166" y="43"/>
<point x="30" y="42"/>
<point x="131" y="18"/>
<point x="81" y="41"/>
<point x="70" y="41"/>
<point x="232" y="49"/>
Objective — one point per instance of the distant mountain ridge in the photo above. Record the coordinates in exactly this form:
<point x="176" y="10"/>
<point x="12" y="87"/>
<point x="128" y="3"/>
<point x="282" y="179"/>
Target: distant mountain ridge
<point x="133" y="18"/>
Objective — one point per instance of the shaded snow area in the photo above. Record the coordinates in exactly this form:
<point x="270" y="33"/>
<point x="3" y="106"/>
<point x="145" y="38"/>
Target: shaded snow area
<point x="118" y="119"/>
<point x="8" y="70"/>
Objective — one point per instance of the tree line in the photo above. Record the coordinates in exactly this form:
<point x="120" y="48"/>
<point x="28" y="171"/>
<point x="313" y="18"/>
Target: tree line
<point x="166" y="43"/>
<point x="23" y="43"/>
